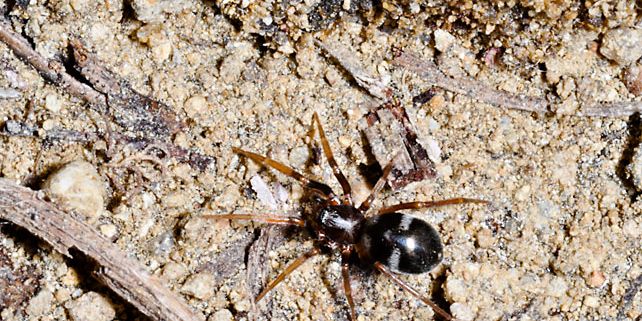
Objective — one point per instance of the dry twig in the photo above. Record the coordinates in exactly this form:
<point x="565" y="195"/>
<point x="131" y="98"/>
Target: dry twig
<point x="194" y="159"/>
<point x="130" y="109"/>
<point x="65" y="231"/>
<point x="52" y="71"/>
<point x="110" y="96"/>
<point x="474" y="89"/>
<point x="469" y="87"/>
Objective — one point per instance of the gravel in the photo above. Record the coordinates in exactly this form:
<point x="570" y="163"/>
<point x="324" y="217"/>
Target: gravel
<point x="560" y="240"/>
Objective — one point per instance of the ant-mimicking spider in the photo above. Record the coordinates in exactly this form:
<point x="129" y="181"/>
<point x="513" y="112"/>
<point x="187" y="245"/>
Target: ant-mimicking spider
<point x="394" y="243"/>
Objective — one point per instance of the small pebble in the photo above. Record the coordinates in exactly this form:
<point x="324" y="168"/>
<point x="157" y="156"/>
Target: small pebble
<point x="91" y="306"/>
<point x="153" y="10"/>
<point x="596" y="279"/>
<point x="53" y="103"/>
<point x="443" y="40"/>
<point x="196" y="105"/>
<point x="78" y="186"/>
<point x="633" y="79"/>
<point x="108" y="230"/>
<point x="437" y="102"/>
<point x="40" y="303"/>
<point x="174" y="271"/>
<point x="622" y="45"/>
<point x="461" y="311"/>
<point x="455" y="289"/>
<point x="200" y="286"/>
<point x="591" y="301"/>
<point x="221" y="315"/>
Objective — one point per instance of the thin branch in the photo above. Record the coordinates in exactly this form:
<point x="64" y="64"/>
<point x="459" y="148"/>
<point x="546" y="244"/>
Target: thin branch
<point x="52" y="71"/>
<point x="129" y="108"/>
<point x="474" y="89"/>
<point x="110" y="96"/>
<point x="469" y="87"/>
<point x="196" y="160"/>
<point x="64" y="231"/>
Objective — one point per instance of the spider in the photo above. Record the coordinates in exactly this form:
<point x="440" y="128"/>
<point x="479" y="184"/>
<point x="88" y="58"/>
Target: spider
<point x="392" y="242"/>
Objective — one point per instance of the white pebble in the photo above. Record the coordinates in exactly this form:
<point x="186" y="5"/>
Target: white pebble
<point x="263" y="192"/>
<point x="52" y="103"/>
<point x="443" y="40"/>
<point x="461" y="311"/>
<point x="221" y="315"/>
<point x="78" y="186"/>
<point x="91" y="307"/>
<point x="622" y="45"/>
<point x="200" y="286"/>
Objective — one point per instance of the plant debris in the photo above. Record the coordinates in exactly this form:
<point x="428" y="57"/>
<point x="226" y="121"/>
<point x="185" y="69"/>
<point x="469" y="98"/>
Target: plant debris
<point x="387" y="129"/>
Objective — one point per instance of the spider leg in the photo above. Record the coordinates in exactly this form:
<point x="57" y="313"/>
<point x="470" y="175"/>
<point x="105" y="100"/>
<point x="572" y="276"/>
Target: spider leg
<point x="288" y="270"/>
<point x="412" y="291"/>
<point x="378" y="186"/>
<point x="264" y="218"/>
<point x="418" y="205"/>
<point x="345" y="271"/>
<point x="345" y="185"/>
<point x="309" y="183"/>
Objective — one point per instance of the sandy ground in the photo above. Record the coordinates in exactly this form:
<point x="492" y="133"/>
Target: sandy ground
<point x="559" y="241"/>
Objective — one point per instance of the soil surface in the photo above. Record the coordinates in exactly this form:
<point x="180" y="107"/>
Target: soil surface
<point x="559" y="240"/>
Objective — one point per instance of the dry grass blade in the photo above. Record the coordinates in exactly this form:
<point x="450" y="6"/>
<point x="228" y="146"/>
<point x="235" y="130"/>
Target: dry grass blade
<point x="374" y="85"/>
<point x="65" y="231"/>
<point x="469" y="87"/>
<point x="615" y="109"/>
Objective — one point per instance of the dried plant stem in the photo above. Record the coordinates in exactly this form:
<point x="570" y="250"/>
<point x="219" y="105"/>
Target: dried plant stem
<point x="469" y="87"/>
<point x="64" y="231"/>
<point x="474" y="89"/>
<point x="615" y="109"/>
<point x="196" y="160"/>
<point x="52" y="71"/>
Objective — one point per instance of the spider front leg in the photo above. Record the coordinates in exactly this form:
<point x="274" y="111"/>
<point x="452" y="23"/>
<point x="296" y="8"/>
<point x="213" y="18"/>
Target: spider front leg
<point x="324" y="189"/>
<point x="345" y="185"/>
<point x="263" y="218"/>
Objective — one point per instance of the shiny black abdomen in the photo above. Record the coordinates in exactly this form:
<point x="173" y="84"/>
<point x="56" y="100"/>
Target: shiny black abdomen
<point x="403" y="243"/>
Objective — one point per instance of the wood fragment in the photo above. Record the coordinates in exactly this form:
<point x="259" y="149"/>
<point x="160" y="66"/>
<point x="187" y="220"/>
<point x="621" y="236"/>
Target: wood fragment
<point x="627" y="298"/>
<point x="18" y="281"/>
<point x="195" y="159"/>
<point x="129" y="108"/>
<point x="52" y="71"/>
<point x="66" y="231"/>
<point x="389" y="132"/>
<point x="469" y="87"/>
<point x="136" y="113"/>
